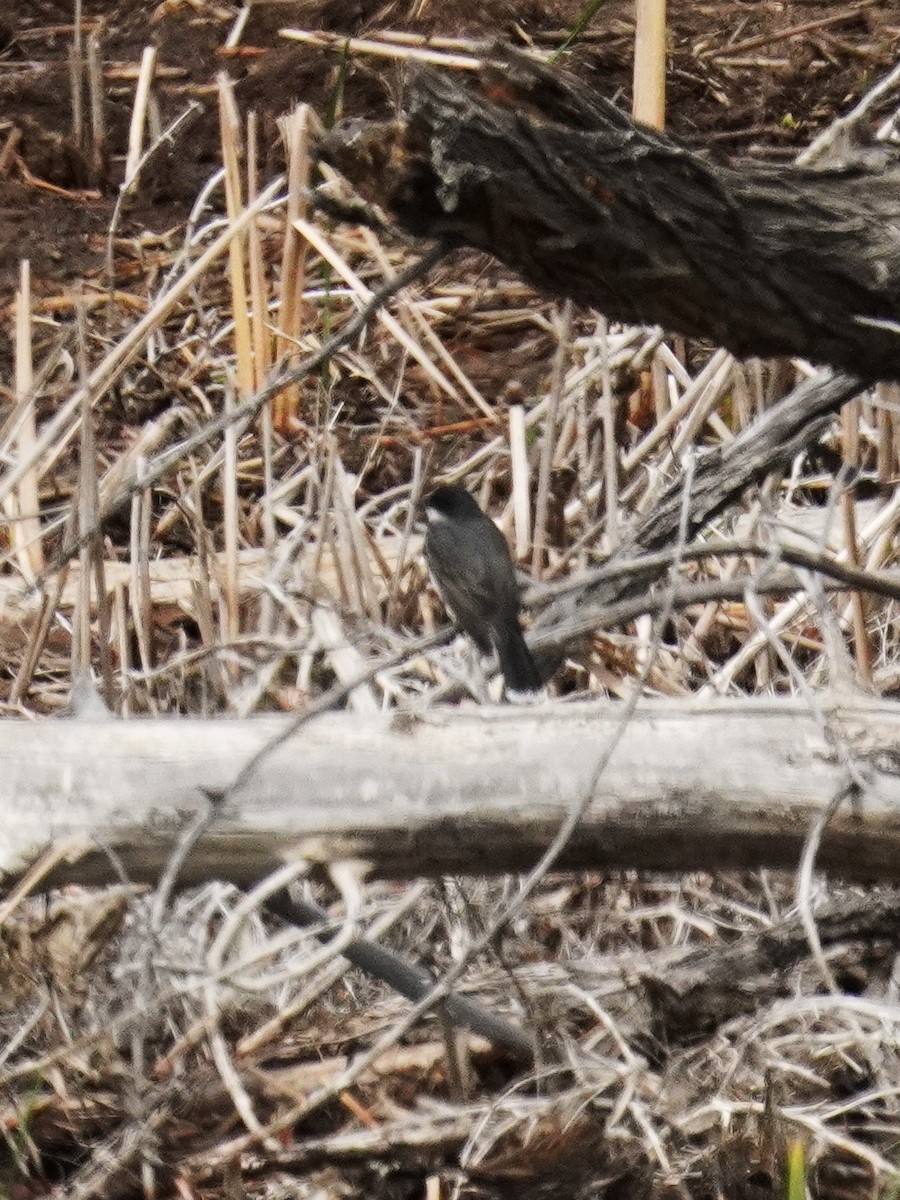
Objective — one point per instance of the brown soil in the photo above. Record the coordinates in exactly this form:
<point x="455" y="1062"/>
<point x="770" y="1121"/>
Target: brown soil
<point x="767" y="97"/>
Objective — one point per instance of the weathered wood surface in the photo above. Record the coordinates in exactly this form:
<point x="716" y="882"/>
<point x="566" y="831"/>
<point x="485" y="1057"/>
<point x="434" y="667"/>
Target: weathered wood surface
<point x="689" y="786"/>
<point x="537" y="168"/>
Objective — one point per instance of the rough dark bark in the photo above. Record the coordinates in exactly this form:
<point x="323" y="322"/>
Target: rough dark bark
<point x="682" y="993"/>
<point x="698" y="990"/>
<point x="529" y="164"/>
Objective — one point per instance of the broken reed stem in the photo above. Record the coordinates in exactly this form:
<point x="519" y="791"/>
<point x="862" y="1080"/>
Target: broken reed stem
<point x="139" y="118"/>
<point x="96" y="96"/>
<point x="886" y="422"/>
<point x="364" y="295"/>
<point x="610" y="446"/>
<point x="122" y="642"/>
<point x="521" y="488"/>
<point x="351" y="543"/>
<point x="76" y="76"/>
<point x="660" y="384"/>
<point x="139" y="592"/>
<point x="25" y="509"/>
<point x="352" y="45"/>
<point x="262" y="342"/>
<point x="237" y="30"/>
<point x="649" y="99"/>
<point x="229" y="127"/>
<point x="262" y="360"/>
<point x="87" y="482"/>
<point x="231" y="623"/>
<point x="850" y="415"/>
<point x="295" y="132"/>
<point x="548" y="443"/>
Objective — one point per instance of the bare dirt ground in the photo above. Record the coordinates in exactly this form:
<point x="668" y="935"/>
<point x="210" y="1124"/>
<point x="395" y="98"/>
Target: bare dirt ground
<point x="691" y="1037"/>
<point x="736" y="84"/>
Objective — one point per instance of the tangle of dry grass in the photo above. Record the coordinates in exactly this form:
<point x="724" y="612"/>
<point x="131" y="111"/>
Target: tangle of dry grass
<point x="257" y="551"/>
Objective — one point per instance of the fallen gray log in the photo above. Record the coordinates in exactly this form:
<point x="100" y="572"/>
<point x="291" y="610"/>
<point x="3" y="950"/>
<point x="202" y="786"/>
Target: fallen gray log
<point x="691" y="785"/>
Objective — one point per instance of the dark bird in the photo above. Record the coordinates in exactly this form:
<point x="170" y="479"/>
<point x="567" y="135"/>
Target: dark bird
<point x="473" y="570"/>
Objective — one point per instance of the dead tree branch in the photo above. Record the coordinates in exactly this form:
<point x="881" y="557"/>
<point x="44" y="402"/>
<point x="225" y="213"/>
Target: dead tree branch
<point x="720" y="478"/>
<point x="531" y="165"/>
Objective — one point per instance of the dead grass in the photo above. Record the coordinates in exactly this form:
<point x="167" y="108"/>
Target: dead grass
<point x="203" y="552"/>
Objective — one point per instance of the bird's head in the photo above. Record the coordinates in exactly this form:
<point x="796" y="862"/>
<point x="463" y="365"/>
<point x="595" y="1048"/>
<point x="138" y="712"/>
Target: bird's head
<point x="450" y="502"/>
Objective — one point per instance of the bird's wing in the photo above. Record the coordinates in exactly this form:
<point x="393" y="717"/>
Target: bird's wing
<point x="476" y="583"/>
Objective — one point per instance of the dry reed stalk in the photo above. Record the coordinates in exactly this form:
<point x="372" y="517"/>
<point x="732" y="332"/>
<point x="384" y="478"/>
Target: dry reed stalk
<point x="886" y="420"/>
<point x="237" y="29"/>
<point x="231" y="623"/>
<point x="649" y="95"/>
<point x="76" y="77"/>
<point x="549" y="440"/>
<point x="357" y="590"/>
<point x="40" y="631"/>
<point x="89" y="558"/>
<point x="246" y="364"/>
<point x="352" y="45"/>
<point x="431" y="41"/>
<point x="229" y="134"/>
<point x="261" y="339"/>
<point x="121" y="639"/>
<point x="139" y="118"/>
<point x="295" y="129"/>
<point x="850" y="421"/>
<point x="520" y="477"/>
<point x="25" y="508"/>
<point x="344" y="489"/>
<point x="96" y="102"/>
<point x="58" y="432"/>
<point x="363" y="294"/>
<point x="610" y="442"/>
<point x="203" y="600"/>
<point x="417" y="319"/>
<point x="798" y="606"/>
<point x="262" y="358"/>
<point x="139" y="591"/>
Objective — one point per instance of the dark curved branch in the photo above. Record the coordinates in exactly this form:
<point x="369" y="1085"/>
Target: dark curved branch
<point x="529" y="164"/>
<point x="719" y="479"/>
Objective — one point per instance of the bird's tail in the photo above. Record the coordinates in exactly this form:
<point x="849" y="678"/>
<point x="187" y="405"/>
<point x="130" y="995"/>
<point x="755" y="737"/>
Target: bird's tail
<point x="523" y="681"/>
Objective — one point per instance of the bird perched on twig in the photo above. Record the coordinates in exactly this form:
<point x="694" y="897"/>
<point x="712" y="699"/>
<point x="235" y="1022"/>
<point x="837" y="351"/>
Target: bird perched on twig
<point x="473" y="570"/>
